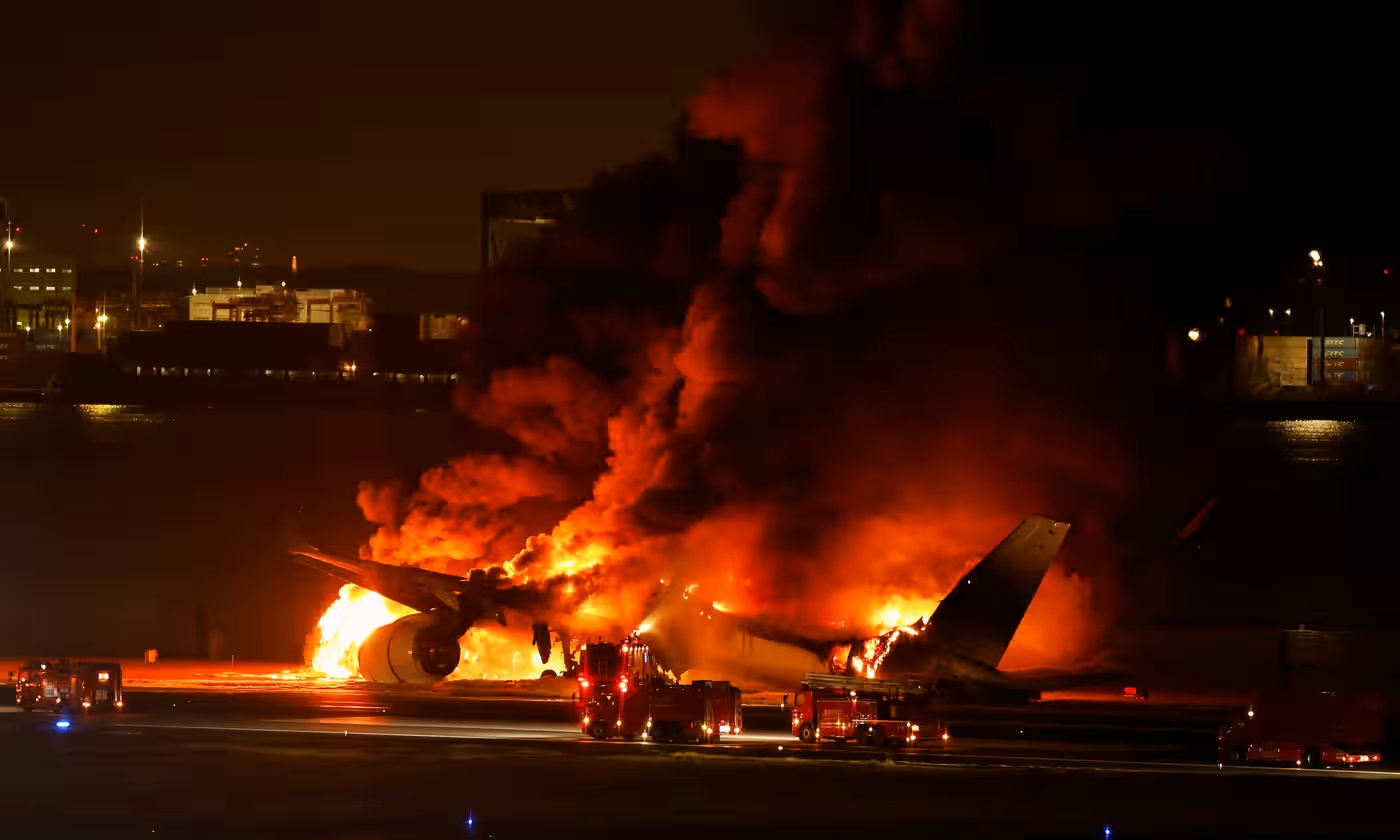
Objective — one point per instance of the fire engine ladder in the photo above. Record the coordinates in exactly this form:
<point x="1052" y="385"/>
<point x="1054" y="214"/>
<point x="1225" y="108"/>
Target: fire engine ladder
<point x="844" y="683"/>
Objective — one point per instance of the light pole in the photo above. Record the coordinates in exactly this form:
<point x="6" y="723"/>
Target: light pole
<point x="1321" y="321"/>
<point x="9" y="272"/>
<point x="140" y="277"/>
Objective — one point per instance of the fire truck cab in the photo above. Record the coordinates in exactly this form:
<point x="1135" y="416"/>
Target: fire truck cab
<point x="830" y="707"/>
<point x="62" y="685"/>
<point x="623" y="694"/>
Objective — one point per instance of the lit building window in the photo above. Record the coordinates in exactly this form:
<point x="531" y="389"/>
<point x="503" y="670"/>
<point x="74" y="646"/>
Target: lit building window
<point x="50" y="288"/>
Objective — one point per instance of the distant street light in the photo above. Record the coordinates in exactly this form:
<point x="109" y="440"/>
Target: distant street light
<point x="1194" y="334"/>
<point x="1288" y="312"/>
<point x="1316" y="257"/>
<point x="9" y="244"/>
<point x="1271" y="312"/>
<point x="139" y="281"/>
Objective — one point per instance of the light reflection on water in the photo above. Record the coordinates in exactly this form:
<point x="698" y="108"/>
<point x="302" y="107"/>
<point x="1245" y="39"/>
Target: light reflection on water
<point x="1319" y="441"/>
<point x="16" y="410"/>
<point x="94" y="412"/>
<point x="108" y="413"/>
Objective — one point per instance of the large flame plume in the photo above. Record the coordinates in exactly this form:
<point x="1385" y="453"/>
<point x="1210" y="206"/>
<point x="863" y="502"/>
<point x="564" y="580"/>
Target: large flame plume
<point x="355" y="614"/>
<point x="818" y="363"/>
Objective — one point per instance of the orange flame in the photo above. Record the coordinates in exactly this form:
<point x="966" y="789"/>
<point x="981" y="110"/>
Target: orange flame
<point x="488" y="653"/>
<point x="346" y="623"/>
<point x="901" y="611"/>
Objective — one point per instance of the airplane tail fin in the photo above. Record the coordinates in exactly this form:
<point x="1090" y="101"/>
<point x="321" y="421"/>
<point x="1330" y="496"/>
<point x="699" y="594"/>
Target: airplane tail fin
<point x="978" y="618"/>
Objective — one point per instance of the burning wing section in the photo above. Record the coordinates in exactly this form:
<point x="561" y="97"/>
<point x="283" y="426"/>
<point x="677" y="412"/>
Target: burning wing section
<point x="419" y="589"/>
<point x="424" y="647"/>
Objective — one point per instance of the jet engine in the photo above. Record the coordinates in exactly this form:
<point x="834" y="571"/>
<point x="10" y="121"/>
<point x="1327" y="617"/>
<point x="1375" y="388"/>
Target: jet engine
<point x="415" y="649"/>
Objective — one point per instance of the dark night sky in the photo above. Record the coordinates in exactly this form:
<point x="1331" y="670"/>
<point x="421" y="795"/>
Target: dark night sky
<point x="358" y="132"/>
<point x="346" y="132"/>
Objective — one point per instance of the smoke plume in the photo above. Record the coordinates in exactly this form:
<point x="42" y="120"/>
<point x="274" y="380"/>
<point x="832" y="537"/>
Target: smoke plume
<point x="821" y="359"/>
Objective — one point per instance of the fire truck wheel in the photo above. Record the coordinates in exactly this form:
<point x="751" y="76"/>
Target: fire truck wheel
<point x="1238" y="756"/>
<point x="1312" y="758"/>
<point x="875" y="737"/>
<point x="598" y="731"/>
<point x="807" y="734"/>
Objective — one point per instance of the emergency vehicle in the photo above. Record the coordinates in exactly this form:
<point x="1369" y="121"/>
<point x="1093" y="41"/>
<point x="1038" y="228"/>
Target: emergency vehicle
<point x="832" y="707"/>
<point x="63" y="685"/>
<point x="623" y="694"/>
<point x="1306" y="729"/>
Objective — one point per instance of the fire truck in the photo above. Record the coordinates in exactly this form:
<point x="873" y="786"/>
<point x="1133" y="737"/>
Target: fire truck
<point x="1306" y="729"/>
<point x="832" y="707"/>
<point x="63" y="685"/>
<point x="624" y="694"/>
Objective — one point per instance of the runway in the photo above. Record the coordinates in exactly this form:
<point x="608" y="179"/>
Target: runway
<point x="362" y="762"/>
<point x="983" y="753"/>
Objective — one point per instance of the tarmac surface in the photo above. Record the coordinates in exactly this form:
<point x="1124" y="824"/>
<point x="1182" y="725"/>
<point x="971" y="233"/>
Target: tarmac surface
<point x="359" y="762"/>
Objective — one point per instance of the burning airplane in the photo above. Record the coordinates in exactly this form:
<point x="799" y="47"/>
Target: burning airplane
<point x="961" y="643"/>
<point x="815" y="362"/>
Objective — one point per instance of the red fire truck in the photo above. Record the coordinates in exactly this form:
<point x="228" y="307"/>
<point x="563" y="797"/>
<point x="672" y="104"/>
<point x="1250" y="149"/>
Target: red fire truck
<point x="605" y="676"/>
<point x="839" y="708"/>
<point x="728" y="705"/>
<point x="624" y="695"/>
<point x="1305" y="729"/>
<point x="63" y="685"/>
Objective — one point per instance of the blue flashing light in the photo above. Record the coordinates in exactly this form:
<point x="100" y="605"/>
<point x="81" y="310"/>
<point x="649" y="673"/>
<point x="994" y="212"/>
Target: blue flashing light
<point x="1107" y="832"/>
<point x="471" y="821"/>
<point x="63" y="723"/>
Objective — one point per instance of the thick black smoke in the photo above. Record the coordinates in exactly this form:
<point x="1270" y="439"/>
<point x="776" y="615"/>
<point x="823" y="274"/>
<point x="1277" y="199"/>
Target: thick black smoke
<point x="895" y="291"/>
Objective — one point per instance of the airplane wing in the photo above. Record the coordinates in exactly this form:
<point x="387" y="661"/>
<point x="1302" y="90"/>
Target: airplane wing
<point x="418" y="589"/>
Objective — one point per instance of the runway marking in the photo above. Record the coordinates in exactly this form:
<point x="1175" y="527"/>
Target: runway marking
<point x="286" y="731"/>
